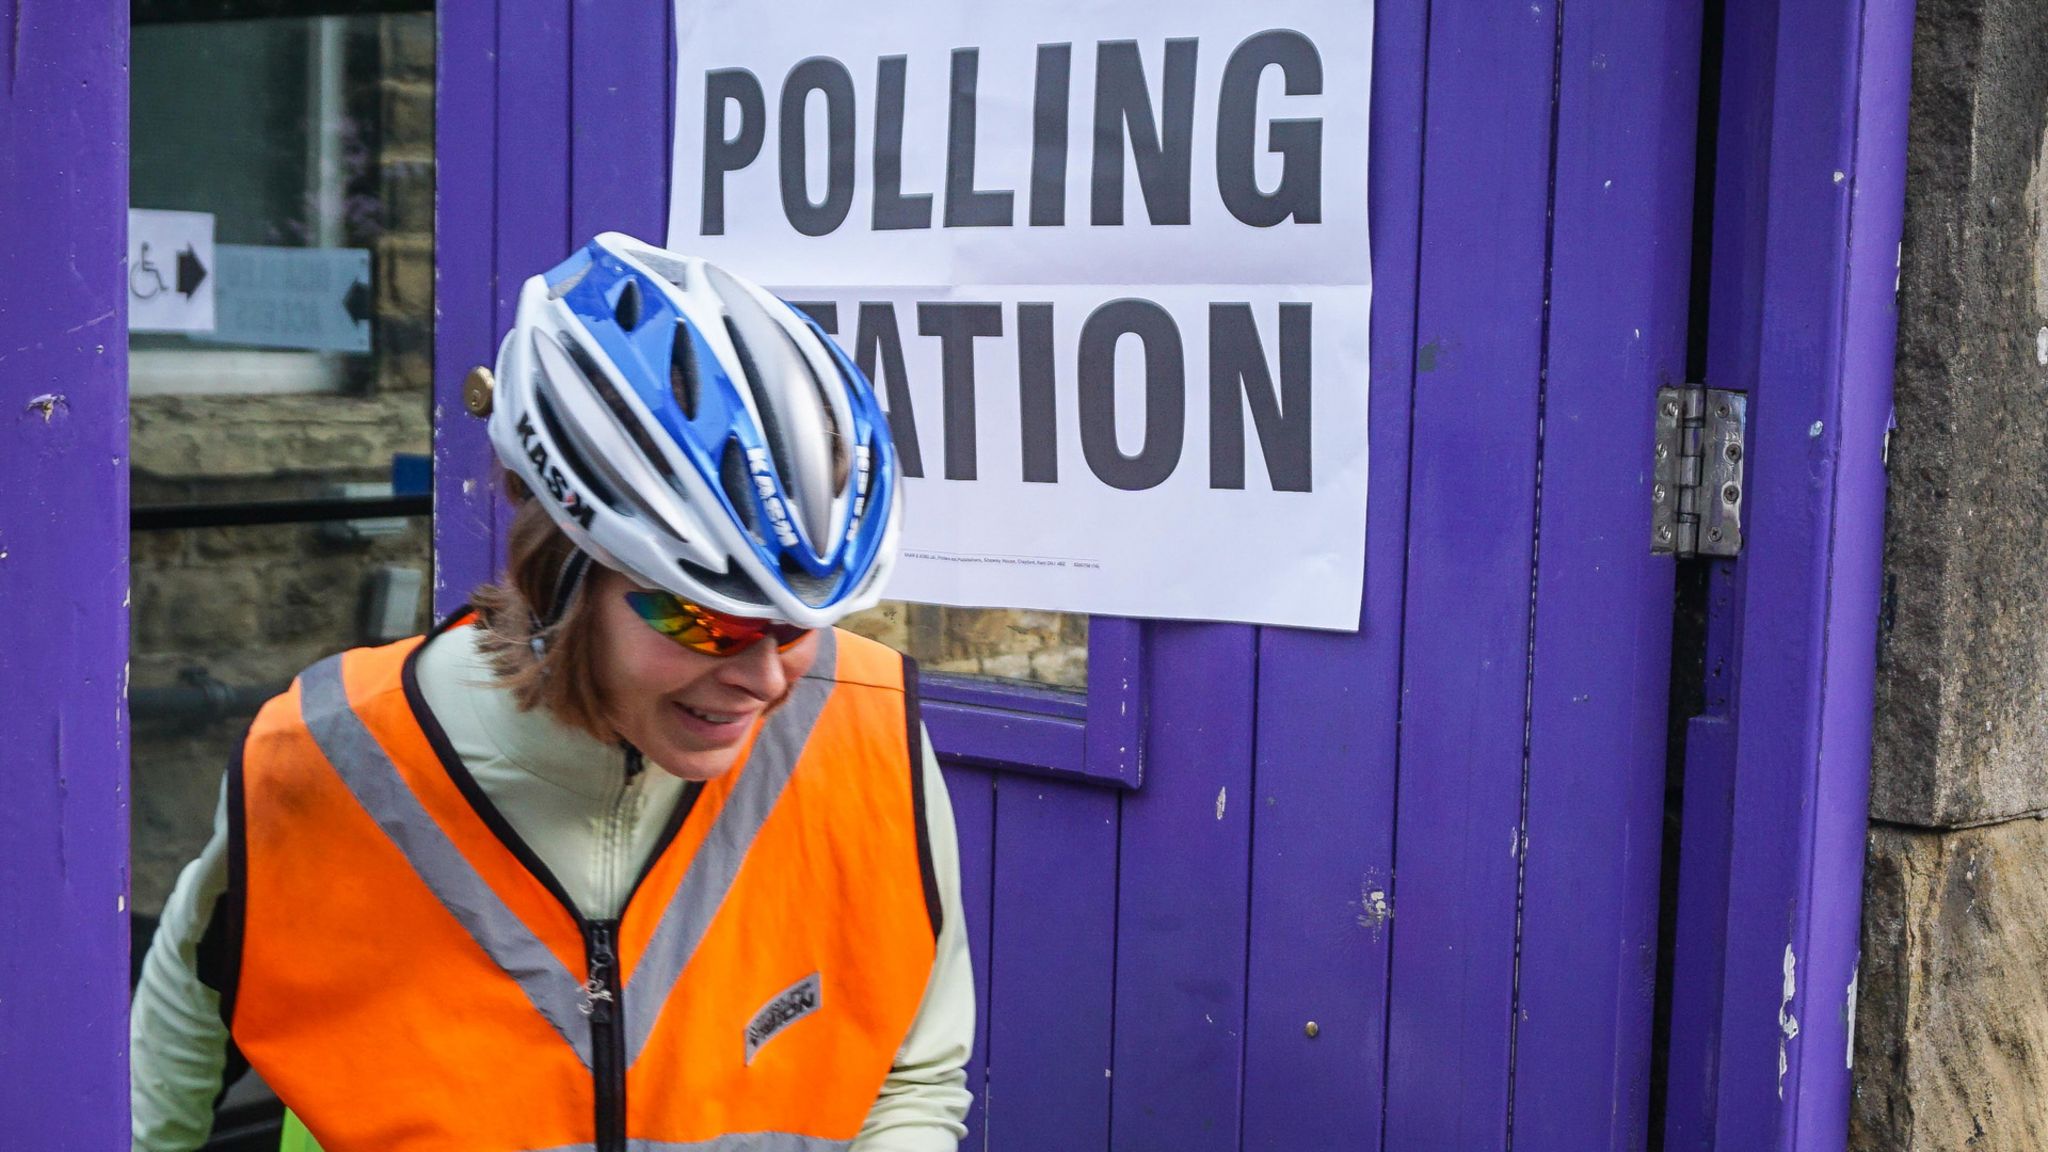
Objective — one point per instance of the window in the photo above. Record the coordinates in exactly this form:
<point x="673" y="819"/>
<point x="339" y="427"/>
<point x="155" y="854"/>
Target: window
<point x="1043" y="648"/>
<point x="280" y="462"/>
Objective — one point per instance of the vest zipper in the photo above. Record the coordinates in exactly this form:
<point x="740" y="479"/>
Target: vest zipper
<point x="607" y="1034"/>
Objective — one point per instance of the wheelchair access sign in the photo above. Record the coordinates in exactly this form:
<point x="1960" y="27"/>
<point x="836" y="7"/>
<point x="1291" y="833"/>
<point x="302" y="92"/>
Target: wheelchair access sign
<point x="170" y="271"/>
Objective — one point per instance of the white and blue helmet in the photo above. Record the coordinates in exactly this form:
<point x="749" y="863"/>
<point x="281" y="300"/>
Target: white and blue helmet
<point x="689" y="429"/>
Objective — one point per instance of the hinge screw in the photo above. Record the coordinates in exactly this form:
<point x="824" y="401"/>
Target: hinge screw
<point x="1733" y="452"/>
<point x="1732" y="494"/>
<point x="1714" y="534"/>
<point x="1671" y="408"/>
<point x="1664" y="534"/>
<point x="1657" y="494"/>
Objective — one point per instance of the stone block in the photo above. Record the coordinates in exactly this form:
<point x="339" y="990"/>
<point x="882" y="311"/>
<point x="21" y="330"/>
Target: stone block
<point x="1065" y="667"/>
<point x="1952" y="1012"/>
<point x="252" y="606"/>
<point x="1008" y="665"/>
<point x="405" y="273"/>
<point x="887" y="623"/>
<point x="408" y="118"/>
<point x="1961" y="726"/>
<point x="408" y="188"/>
<point x="216" y="438"/>
<point x="407" y="46"/>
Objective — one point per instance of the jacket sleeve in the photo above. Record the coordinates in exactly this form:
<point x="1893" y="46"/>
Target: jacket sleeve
<point x="923" y="1104"/>
<point x="177" y="1042"/>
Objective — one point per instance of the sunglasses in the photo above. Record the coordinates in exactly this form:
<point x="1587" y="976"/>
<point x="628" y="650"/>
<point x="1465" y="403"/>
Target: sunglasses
<point x="704" y="630"/>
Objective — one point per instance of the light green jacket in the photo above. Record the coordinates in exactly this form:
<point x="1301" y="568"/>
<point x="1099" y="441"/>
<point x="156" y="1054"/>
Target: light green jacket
<point x="569" y="798"/>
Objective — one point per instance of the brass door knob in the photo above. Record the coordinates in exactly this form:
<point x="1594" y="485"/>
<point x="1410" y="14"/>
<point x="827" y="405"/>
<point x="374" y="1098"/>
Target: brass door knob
<point x="476" y="391"/>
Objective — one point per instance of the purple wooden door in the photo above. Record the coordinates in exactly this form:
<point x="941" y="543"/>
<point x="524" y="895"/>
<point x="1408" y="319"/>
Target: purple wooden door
<point x="1395" y="889"/>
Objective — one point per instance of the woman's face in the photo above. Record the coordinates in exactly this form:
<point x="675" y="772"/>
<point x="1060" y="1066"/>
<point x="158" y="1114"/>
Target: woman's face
<point x="685" y="711"/>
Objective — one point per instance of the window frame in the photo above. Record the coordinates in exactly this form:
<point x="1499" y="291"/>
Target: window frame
<point x="1096" y="736"/>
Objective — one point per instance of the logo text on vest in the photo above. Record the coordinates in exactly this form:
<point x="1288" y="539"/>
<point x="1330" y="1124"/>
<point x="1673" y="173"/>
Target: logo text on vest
<point x="789" y="1006"/>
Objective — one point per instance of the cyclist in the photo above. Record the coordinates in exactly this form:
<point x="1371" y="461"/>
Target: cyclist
<point x="638" y="853"/>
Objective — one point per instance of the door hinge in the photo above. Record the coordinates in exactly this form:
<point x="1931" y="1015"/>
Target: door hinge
<point x="1696" y="496"/>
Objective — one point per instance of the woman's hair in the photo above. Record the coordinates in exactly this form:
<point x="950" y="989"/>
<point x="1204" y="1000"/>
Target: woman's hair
<point x="565" y="681"/>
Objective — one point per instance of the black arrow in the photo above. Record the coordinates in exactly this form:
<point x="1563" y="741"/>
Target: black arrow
<point x="191" y="273"/>
<point x="357" y="301"/>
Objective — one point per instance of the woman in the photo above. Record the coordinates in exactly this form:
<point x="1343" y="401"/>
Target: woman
<point x="640" y="853"/>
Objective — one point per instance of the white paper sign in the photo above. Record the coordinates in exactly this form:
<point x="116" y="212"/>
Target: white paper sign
<point x="313" y="298"/>
<point x="170" y="271"/>
<point x="1107" y="266"/>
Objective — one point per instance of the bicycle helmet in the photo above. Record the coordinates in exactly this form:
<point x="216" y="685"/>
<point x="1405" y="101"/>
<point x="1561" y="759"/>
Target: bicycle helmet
<point x="692" y="431"/>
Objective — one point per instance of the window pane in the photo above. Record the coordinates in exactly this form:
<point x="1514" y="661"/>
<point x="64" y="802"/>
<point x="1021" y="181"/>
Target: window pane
<point x="1047" y="648"/>
<point x="309" y="141"/>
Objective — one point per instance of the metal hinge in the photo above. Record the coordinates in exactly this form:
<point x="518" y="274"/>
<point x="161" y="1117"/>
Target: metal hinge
<point x="1696" y="498"/>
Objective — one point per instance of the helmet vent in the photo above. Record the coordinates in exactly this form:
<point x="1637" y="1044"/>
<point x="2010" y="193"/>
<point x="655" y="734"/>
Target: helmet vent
<point x="573" y="460"/>
<point x="732" y="477"/>
<point x="841" y="458"/>
<point x="627" y="310"/>
<point x="842" y="463"/>
<point x="746" y="357"/>
<point x="731" y="583"/>
<point x="621" y="412"/>
<point x="771" y="422"/>
<point x="682" y="369"/>
<point x="813" y="590"/>
<point x="671" y="270"/>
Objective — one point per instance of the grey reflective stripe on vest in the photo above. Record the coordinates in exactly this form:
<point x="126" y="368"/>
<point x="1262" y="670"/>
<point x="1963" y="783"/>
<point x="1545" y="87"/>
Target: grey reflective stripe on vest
<point x="717" y="863"/>
<point x="735" y="1142"/>
<point x="384" y="794"/>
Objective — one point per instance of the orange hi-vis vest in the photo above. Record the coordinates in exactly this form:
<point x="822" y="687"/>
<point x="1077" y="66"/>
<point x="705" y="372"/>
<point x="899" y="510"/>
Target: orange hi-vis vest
<point x="410" y="978"/>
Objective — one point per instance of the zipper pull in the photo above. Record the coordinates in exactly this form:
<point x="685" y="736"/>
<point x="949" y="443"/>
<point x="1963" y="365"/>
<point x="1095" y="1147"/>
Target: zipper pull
<point x="597" y="994"/>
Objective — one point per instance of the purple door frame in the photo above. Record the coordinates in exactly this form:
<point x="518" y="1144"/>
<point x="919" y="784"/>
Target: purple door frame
<point x="64" y="574"/>
<point x="1809" y="201"/>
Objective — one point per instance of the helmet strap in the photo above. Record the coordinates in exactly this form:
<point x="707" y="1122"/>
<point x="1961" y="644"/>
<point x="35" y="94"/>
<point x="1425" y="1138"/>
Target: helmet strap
<point x="567" y="581"/>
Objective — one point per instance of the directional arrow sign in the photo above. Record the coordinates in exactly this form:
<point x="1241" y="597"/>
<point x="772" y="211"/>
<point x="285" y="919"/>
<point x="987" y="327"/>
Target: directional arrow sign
<point x="357" y="301"/>
<point x="191" y="273"/>
<point x="169" y="257"/>
<point x="312" y="298"/>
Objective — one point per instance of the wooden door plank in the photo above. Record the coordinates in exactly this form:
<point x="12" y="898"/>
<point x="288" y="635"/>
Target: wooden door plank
<point x="1052" y="957"/>
<point x="1486" y="174"/>
<point x="1183" y="890"/>
<point x="1621" y="240"/>
<point x="1323" y="826"/>
<point x="532" y="169"/>
<point x="620" y="107"/>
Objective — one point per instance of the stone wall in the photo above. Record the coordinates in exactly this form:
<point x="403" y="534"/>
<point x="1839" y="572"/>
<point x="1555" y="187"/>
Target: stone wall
<point x="249" y="607"/>
<point x="1952" y="1029"/>
<point x="1049" y="648"/>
